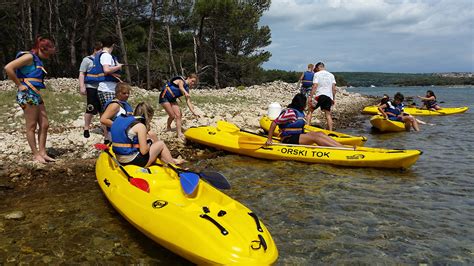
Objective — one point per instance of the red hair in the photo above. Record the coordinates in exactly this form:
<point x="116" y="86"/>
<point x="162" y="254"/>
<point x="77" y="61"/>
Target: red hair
<point x="43" y="44"/>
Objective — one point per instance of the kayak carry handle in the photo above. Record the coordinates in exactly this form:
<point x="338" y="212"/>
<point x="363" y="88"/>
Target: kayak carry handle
<point x="257" y="221"/>
<point x="218" y="225"/>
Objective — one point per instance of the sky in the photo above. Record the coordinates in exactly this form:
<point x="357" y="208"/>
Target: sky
<point x="396" y="36"/>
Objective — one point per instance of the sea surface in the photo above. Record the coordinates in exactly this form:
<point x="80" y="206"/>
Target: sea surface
<point x="317" y="214"/>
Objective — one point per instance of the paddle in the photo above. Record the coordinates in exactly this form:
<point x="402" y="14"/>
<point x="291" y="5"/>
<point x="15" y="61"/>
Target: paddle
<point x="216" y="179"/>
<point x="137" y="182"/>
<point x="253" y="144"/>
<point x="229" y="127"/>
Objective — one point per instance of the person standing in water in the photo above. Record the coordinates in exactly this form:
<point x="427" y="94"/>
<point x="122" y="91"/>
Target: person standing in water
<point x="27" y="72"/>
<point x="172" y="90"/>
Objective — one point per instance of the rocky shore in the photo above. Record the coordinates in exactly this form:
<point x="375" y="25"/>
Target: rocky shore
<point x="242" y="106"/>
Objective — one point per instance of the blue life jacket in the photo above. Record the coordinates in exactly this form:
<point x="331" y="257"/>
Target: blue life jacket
<point x="172" y="91"/>
<point x="293" y="128"/>
<point x="121" y="143"/>
<point x="124" y="105"/>
<point x="307" y="79"/>
<point x="96" y="74"/>
<point x="393" y="110"/>
<point x="430" y="103"/>
<point x="35" y="79"/>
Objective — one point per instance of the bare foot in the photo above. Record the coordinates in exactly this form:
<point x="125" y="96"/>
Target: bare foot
<point x="48" y="159"/>
<point x="168" y="129"/>
<point x="38" y="158"/>
<point x="179" y="161"/>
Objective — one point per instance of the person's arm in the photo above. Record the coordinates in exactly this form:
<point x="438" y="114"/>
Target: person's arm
<point x="334" y="93"/>
<point x="381" y="107"/>
<point x="271" y="130"/>
<point x="142" y="132"/>
<point x="311" y="96"/>
<point x="111" y="69"/>
<point x="20" y="62"/>
<point x="82" y="85"/>
<point x="109" y="113"/>
<point x="107" y="60"/>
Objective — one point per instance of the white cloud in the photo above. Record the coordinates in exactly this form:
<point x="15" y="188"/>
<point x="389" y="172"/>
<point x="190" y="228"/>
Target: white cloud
<point x="372" y="35"/>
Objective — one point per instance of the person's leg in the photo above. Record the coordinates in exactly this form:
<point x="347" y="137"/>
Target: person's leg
<point x="328" y="119"/>
<point x="178" y="119"/>
<point x="43" y="132"/>
<point x="159" y="148"/>
<point x="87" y="124"/>
<point x="414" y="123"/>
<point x="319" y="138"/>
<point x="31" y="114"/>
<point x="170" y="112"/>
<point x="407" y="122"/>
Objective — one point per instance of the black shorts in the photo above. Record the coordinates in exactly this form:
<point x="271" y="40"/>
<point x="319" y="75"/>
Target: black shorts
<point x="324" y="102"/>
<point x="166" y="100"/>
<point x="93" y="102"/>
<point x="291" y="139"/>
<point x="141" y="160"/>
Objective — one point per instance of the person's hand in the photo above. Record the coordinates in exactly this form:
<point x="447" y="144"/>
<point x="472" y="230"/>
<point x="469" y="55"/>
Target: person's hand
<point x="120" y="65"/>
<point x="268" y="142"/>
<point x="82" y="90"/>
<point x="186" y="94"/>
<point x="333" y="102"/>
<point x="22" y="87"/>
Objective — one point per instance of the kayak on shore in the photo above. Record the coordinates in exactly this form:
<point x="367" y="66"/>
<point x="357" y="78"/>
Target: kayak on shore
<point x="204" y="226"/>
<point x="373" y="110"/>
<point x="342" y="138"/>
<point x="386" y="125"/>
<point x="227" y="136"/>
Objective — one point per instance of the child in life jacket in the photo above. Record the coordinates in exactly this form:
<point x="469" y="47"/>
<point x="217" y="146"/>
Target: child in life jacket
<point x="134" y="143"/>
<point x="393" y="110"/>
<point x="429" y="101"/>
<point x="291" y="122"/>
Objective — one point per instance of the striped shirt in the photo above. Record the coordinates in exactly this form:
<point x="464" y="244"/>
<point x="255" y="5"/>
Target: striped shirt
<point x="286" y="117"/>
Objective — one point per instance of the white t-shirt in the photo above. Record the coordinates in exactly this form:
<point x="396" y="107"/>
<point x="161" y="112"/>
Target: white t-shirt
<point x="325" y="80"/>
<point x="107" y="86"/>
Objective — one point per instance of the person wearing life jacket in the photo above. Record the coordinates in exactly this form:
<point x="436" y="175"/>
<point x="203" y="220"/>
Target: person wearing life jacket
<point x="393" y="110"/>
<point x="105" y="72"/>
<point x="306" y="80"/>
<point x="27" y="72"/>
<point x="171" y="91"/>
<point x="89" y="89"/>
<point x="429" y="101"/>
<point x="131" y="143"/>
<point x="116" y="107"/>
<point x="291" y="122"/>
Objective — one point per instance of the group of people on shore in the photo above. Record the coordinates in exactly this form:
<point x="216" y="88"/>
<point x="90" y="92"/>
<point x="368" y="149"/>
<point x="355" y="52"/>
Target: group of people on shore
<point x="127" y="129"/>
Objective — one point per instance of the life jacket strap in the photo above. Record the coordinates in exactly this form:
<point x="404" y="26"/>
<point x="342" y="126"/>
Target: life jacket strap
<point x="167" y="88"/>
<point x="27" y="81"/>
<point x="125" y="145"/>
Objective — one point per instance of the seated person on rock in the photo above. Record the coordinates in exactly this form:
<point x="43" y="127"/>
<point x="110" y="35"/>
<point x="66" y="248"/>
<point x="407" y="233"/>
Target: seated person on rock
<point x="130" y="141"/>
<point x="393" y="110"/>
<point x="291" y="123"/>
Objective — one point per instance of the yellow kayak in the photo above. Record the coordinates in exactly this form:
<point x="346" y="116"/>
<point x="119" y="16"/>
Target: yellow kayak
<point x="373" y="110"/>
<point x="229" y="137"/>
<point x="342" y="138"/>
<point x="386" y="125"/>
<point x="206" y="227"/>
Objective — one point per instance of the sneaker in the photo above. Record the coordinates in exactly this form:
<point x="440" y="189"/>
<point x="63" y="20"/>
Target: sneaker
<point x="86" y="134"/>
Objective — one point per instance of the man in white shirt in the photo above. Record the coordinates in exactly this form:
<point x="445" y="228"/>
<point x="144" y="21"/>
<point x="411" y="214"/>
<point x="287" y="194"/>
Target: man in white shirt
<point x="322" y="94"/>
<point x="106" y="89"/>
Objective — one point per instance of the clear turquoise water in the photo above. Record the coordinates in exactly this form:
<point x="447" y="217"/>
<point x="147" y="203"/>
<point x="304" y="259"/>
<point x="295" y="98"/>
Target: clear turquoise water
<point x="328" y="214"/>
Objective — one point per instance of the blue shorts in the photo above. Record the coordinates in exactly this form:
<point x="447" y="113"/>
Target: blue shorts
<point x="395" y="118"/>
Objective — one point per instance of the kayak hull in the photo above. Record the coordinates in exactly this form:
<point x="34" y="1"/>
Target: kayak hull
<point x="342" y="138"/>
<point x="180" y="222"/>
<point x="386" y="125"/>
<point x="373" y="110"/>
<point x="222" y="138"/>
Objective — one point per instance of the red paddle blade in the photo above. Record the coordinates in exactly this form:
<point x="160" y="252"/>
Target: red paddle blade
<point x="101" y="146"/>
<point x="141" y="184"/>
